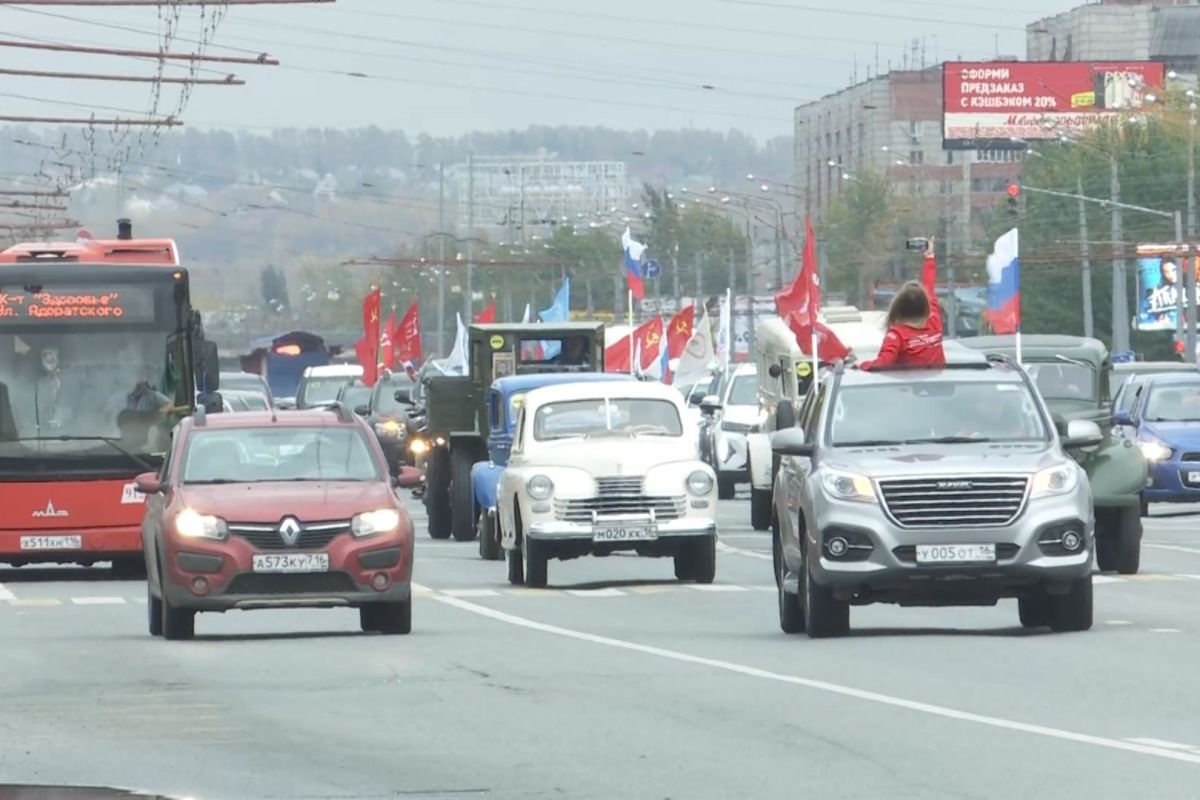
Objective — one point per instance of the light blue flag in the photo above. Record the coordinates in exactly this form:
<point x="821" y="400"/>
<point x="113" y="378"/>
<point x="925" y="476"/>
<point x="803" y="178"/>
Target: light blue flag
<point x="559" y="311"/>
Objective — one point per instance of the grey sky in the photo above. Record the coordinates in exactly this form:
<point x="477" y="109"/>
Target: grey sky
<point x="450" y="66"/>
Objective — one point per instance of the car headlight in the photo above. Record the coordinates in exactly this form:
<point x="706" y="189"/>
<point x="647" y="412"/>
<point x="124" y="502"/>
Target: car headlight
<point x="1154" y="450"/>
<point x="1056" y="480"/>
<point x="418" y="447"/>
<point x="370" y="523"/>
<point x="848" y="486"/>
<point x="194" y="525"/>
<point x="540" y="487"/>
<point x="699" y="483"/>
<point x="389" y="428"/>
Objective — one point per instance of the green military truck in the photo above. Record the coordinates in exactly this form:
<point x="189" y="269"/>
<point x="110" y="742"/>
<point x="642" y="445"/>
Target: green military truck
<point x="456" y="406"/>
<point x="1073" y="375"/>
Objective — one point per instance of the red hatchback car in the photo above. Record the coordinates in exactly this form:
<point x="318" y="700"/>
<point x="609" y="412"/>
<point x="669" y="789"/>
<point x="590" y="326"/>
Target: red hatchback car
<point x="266" y="510"/>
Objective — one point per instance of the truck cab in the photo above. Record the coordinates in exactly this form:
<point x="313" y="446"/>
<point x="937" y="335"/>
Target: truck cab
<point x="458" y="426"/>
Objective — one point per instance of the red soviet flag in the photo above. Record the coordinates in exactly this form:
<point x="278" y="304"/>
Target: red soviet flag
<point x="407" y="338"/>
<point x="679" y="330"/>
<point x="487" y="315"/>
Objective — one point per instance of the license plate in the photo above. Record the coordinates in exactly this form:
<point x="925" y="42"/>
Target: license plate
<point x="1194" y="477"/>
<point x="51" y="542"/>
<point x="292" y="562"/>
<point x="955" y="553"/>
<point x="624" y="533"/>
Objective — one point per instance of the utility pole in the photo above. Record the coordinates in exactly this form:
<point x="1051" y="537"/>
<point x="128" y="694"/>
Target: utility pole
<point x="441" y="271"/>
<point x="469" y="299"/>
<point x="1189" y="267"/>
<point x="1120" y="303"/>
<point x="1089" y="324"/>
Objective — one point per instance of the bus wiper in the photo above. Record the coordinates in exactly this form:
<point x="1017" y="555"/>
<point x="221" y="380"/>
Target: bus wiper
<point x="949" y="440"/>
<point x="141" y="462"/>
<point x="870" y="443"/>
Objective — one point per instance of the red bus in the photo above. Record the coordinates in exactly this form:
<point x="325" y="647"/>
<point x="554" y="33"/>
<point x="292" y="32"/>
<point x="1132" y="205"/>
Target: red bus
<point x="99" y="348"/>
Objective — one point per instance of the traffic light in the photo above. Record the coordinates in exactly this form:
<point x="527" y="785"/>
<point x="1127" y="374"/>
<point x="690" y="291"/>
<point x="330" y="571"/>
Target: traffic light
<point x="1014" y="192"/>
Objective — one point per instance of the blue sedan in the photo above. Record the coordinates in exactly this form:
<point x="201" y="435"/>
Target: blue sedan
<point x="1165" y="420"/>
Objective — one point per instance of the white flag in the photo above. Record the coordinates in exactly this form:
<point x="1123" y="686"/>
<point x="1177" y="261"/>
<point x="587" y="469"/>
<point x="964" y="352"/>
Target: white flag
<point x="528" y="318"/>
<point x="456" y="363"/>
<point x="698" y="354"/>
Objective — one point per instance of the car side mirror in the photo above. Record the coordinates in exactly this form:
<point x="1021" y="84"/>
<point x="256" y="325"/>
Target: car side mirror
<point x="362" y="411"/>
<point x="774" y="370"/>
<point x="710" y="405"/>
<point x="148" y="483"/>
<point x="1082" y="434"/>
<point x="409" y="477"/>
<point x="212" y="402"/>
<point x="791" y="442"/>
<point x="1123" y="417"/>
<point x="403" y="396"/>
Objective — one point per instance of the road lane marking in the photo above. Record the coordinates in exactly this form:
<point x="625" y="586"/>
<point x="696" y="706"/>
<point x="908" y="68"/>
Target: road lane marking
<point x="471" y="592"/>
<point x="595" y="592"/>
<point x="98" y="601"/>
<point x="35" y="601"/>
<point x="738" y="551"/>
<point x="653" y="589"/>
<point x="1165" y="630"/>
<point x="1099" y="579"/>
<point x="717" y="587"/>
<point x="929" y="709"/>
<point x="1176" y="548"/>
<point x="1146" y="740"/>
<point x="5" y="594"/>
<point x="1117" y="622"/>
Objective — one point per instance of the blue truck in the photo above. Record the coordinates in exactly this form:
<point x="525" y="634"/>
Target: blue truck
<point x="503" y="405"/>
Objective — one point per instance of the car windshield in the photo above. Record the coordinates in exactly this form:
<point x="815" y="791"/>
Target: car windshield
<point x="599" y="417"/>
<point x="384" y="400"/>
<point x="355" y="396"/>
<point x="744" y="391"/>
<point x="1064" y="380"/>
<point x="252" y="455"/>
<point x="324" y="389"/>
<point x="932" y="411"/>
<point x="1178" y="402"/>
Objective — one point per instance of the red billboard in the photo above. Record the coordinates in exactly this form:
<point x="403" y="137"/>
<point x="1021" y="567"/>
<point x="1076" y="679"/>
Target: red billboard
<point x="988" y="104"/>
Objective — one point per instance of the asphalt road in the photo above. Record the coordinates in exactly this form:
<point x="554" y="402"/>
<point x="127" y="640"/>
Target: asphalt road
<point x="617" y="682"/>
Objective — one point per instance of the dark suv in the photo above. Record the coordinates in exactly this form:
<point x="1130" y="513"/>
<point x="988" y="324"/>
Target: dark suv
<point x="936" y="487"/>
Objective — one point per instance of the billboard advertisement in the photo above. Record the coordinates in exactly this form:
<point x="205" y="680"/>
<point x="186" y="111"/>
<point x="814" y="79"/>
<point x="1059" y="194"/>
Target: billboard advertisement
<point x="988" y="104"/>
<point x="1159" y="281"/>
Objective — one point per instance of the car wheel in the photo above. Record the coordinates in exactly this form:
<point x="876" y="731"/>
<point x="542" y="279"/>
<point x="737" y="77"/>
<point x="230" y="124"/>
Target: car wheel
<point x="824" y="614"/>
<point x="1072" y="611"/>
<point x="726" y="488"/>
<point x="177" y="623"/>
<point x="393" y="618"/>
<point x="127" y="568"/>
<point x="437" y="493"/>
<point x="534" y="555"/>
<point x="1034" y="610"/>
<point x="489" y="541"/>
<point x="776" y="552"/>
<point x="760" y="509"/>
<point x="1128" y="532"/>
<point x="516" y="568"/>
<point x="702" y="557"/>
<point x="683" y="565"/>
<point x="154" y="612"/>
<point x="367" y="619"/>
<point x="791" y="613"/>
<point x="1145" y="507"/>
<point x="462" y="493"/>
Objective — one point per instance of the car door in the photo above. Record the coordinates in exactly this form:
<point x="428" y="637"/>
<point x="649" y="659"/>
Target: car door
<point x="793" y="477"/>
<point x="509" y="484"/>
<point x="156" y="507"/>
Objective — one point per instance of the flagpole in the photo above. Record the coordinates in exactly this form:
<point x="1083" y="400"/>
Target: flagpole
<point x="729" y="330"/>
<point x="629" y="297"/>
<point x="816" y="362"/>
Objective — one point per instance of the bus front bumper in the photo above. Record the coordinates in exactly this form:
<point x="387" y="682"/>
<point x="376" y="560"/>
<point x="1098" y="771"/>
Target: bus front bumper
<point x="70" y="546"/>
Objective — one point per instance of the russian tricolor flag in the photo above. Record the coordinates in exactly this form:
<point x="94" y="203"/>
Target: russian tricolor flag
<point x="633" y="265"/>
<point x="1004" y="285"/>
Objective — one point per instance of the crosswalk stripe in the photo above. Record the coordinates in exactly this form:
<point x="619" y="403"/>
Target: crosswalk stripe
<point x="98" y="601"/>
<point x="35" y="601"/>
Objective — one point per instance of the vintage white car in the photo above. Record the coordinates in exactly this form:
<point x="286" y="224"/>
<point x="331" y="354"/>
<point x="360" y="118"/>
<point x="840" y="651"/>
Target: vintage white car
<point x="601" y="467"/>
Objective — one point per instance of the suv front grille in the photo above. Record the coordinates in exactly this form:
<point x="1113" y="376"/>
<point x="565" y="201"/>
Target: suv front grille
<point x="954" y="502"/>
<point x="313" y="535"/>
<point x="620" y="497"/>
<point x="291" y="583"/>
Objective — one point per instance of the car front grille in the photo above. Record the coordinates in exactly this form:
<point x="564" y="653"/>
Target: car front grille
<point x="1190" y="457"/>
<point x="954" y="502"/>
<point x="313" y="535"/>
<point x="621" y="496"/>
<point x="291" y="583"/>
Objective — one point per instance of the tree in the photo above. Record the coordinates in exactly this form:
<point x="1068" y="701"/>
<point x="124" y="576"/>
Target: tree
<point x="860" y="235"/>
<point x="274" y="289"/>
<point x="702" y="252"/>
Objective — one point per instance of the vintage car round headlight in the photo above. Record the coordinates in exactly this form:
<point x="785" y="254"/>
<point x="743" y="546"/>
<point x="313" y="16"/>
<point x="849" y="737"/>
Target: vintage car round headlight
<point x="540" y="487"/>
<point x="699" y="483"/>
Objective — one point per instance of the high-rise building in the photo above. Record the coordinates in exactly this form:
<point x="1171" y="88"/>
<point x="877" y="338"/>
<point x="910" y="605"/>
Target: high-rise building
<point x="1127" y="30"/>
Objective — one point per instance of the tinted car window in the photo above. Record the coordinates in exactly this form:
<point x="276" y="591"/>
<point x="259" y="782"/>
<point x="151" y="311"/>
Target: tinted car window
<point x="1064" y="381"/>
<point x="355" y="396"/>
<point x="277" y="454"/>
<point x="928" y="410"/>
<point x="744" y="391"/>
<point x="384" y="401"/>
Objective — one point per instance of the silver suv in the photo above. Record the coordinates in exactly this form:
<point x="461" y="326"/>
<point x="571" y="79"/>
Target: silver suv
<point x="932" y="488"/>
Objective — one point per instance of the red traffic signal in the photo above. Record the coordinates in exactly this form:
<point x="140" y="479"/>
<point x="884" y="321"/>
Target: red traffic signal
<point x="1013" y="190"/>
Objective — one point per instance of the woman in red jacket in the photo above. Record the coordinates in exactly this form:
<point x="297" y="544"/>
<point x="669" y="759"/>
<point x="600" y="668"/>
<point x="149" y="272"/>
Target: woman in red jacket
<point x="914" y="336"/>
